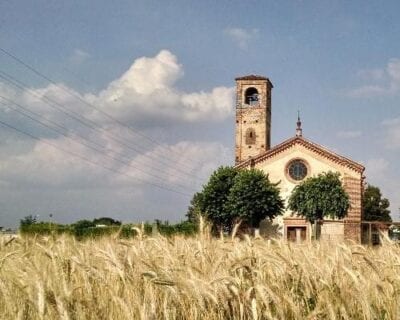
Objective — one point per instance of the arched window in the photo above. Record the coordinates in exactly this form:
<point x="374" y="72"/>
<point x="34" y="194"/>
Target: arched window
<point x="251" y="96"/>
<point x="250" y="136"/>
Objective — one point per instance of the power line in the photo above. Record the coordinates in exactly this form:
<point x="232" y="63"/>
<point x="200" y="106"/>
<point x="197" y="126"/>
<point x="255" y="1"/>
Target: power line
<point x="93" y="148"/>
<point x="72" y="93"/>
<point x="74" y="154"/>
<point x="66" y="134"/>
<point x="79" y="118"/>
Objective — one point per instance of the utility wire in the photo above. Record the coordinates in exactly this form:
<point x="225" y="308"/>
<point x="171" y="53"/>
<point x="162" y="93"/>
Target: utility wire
<point x="126" y="163"/>
<point x="77" y="117"/>
<point x="74" y="154"/>
<point x="66" y="134"/>
<point x="105" y="114"/>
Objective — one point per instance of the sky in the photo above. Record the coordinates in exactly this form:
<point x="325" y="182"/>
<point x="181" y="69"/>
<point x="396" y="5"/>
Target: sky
<point x="123" y="109"/>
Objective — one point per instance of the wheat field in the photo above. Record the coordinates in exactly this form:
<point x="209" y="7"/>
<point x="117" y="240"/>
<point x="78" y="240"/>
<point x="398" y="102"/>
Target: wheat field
<point x="196" y="278"/>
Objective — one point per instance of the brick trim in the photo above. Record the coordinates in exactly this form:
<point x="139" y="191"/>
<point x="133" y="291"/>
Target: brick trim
<point x="334" y="157"/>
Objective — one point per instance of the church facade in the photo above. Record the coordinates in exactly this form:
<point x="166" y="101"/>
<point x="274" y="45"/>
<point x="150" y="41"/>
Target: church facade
<point x="290" y="162"/>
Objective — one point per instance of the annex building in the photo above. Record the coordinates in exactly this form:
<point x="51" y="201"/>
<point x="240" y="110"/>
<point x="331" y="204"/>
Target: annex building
<point x="290" y="162"/>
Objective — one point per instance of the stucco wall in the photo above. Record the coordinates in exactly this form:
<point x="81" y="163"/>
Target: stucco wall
<point x="276" y="167"/>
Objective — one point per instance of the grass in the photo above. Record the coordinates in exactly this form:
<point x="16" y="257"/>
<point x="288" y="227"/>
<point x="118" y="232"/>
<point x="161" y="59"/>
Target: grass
<point x="196" y="278"/>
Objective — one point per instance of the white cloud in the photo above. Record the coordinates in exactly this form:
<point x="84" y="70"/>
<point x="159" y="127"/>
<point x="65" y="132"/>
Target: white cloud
<point x="392" y="133"/>
<point x="390" y="76"/>
<point x="371" y="74"/>
<point x="182" y="166"/>
<point x="147" y="92"/>
<point x="349" y="134"/>
<point x="196" y="159"/>
<point x="78" y="56"/>
<point x="241" y="37"/>
<point x="145" y="96"/>
<point x="45" y="165"/>
<point x="147" y="75"/>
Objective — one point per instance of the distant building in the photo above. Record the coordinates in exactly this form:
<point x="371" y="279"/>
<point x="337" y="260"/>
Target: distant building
<point x="290" y="162"/>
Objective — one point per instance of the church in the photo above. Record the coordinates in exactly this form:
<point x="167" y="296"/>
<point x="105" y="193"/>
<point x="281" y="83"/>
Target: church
<point x="290" y="162"/>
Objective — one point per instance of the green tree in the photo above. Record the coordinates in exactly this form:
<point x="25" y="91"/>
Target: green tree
<point x="213" y="198"/>
<point x="106" y="221"/>
<point x="231" y="195"/>
<point x="319" y="197"/>
<point x="194" y="209"/>
<point x="83" y="224"/>
<point x="28" y="220"/>
<point x="253" y="198"/>
<point x="375" y="207"/>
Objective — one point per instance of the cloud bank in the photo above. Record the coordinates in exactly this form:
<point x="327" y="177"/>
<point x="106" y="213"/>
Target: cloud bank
<point x="146" y="95"/>
<point x="148" y="92"/>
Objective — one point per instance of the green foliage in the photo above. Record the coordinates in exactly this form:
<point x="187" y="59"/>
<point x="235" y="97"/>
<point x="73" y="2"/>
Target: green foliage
<point x="319" y="197"/>
<point x="44" y="228"/>
<point x="96" y="232"/>
<point x="183" y="228"/>
<point x="214" y="196"/>
<point x="28" y="220"/>
<point x="106" y="221"/>
<point x="194" y="209"/>
<point x="84" y="229"/>
<point x="375" y="207"/>
<point x="83" y="224"/>
<point x="253" y="198"/>
<point x="232" y="195"/>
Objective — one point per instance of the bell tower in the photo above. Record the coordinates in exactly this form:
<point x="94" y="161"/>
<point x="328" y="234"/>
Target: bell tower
<point x="253" y="117"/>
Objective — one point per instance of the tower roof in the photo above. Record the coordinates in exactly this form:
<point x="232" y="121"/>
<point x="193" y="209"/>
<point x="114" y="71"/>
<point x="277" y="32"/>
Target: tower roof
<point x="252" y="77"/>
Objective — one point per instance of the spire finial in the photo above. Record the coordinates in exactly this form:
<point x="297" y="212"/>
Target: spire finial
<point x="299" y="130"/>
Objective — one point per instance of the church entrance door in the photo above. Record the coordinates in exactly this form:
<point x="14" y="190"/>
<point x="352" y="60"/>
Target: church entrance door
<point x="296" y="234"/>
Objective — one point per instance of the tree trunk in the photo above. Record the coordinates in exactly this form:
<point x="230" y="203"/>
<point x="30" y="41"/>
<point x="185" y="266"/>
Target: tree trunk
<point x="316" y="230"/>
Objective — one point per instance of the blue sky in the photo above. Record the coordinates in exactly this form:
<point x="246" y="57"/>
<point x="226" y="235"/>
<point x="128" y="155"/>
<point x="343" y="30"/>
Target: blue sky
<point x="167" y="70"/>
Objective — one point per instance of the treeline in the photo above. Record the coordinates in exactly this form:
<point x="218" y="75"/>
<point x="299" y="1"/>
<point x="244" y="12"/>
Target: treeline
<point x="99" y="227"/>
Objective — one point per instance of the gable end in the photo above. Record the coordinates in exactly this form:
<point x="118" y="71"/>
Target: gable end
<point x="343" y="161"/>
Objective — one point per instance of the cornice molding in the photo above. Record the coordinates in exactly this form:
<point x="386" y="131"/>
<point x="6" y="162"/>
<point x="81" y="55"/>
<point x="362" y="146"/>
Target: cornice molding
<point x="312" y="146"/>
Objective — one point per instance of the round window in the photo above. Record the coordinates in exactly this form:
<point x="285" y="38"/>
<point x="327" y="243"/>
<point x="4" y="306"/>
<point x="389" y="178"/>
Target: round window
<point x="297" y="170"/>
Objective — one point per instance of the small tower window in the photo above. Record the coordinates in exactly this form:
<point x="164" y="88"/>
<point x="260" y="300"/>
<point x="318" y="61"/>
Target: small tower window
<point x="250" y="136"/>
<point x="251" y="96"/>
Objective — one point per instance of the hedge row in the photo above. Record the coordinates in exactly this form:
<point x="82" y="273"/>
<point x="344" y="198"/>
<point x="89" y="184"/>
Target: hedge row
<point x="86" y="229"/>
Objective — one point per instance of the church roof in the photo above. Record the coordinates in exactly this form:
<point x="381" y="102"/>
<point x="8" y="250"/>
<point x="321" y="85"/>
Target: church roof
<point x="308" y="145"/>
<point x="252" y="77"/>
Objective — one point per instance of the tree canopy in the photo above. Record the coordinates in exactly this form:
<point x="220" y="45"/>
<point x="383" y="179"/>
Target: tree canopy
<point x="106" y="221"/>
<point x="28" y="220"/>
<point x="194" y="209"/>
<point x="232" y="195"/>
<point x="375" y="207"/>
<point x="253" y="198"/>
<point x="319" y="197"/>
<point x="214" y="196"/>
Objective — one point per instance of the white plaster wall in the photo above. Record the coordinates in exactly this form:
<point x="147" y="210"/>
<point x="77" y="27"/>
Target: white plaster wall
<point x="317" y="164"/>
